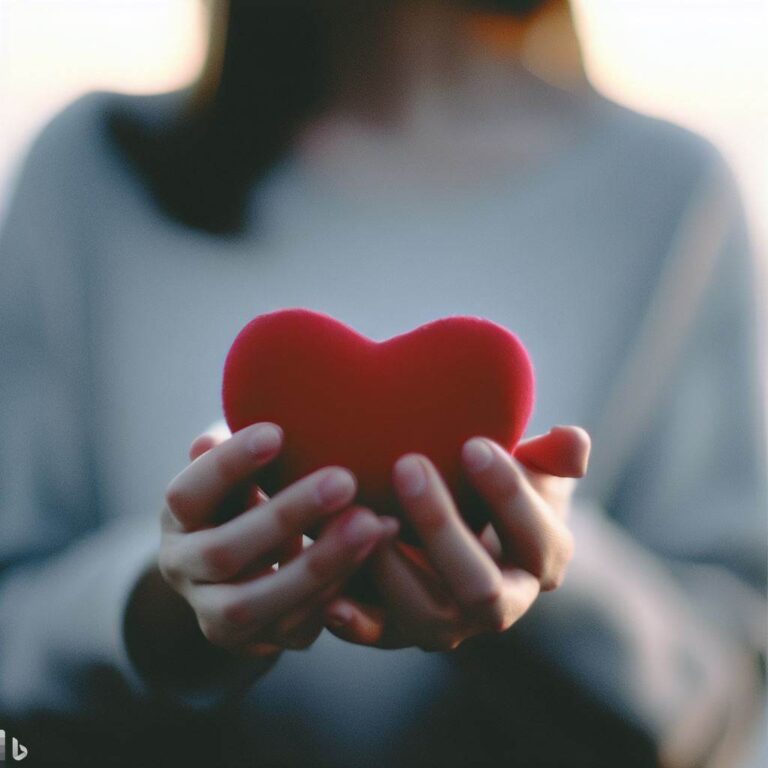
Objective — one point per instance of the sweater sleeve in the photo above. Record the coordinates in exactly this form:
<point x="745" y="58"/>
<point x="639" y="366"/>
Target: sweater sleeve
<point x="64" y="571"/>
<point x="67" y="566"/>
<point x="662" y="615"/>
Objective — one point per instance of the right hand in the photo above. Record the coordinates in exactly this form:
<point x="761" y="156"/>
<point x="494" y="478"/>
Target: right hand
<point x="254" y="587"/>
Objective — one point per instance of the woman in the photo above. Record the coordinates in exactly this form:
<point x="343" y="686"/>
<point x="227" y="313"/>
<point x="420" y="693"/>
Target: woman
<point x="387" y="163"/>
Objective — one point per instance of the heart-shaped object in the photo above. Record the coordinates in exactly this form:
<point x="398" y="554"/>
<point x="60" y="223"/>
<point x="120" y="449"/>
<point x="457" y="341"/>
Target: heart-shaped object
<point x="343" y="399"/>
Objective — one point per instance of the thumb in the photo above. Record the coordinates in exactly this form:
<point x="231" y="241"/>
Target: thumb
<point x="563" y="452"/>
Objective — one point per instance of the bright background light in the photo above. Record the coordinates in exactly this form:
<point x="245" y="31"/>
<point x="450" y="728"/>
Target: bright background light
<point x="702" y="63"/>
<point x="51" y="51"/>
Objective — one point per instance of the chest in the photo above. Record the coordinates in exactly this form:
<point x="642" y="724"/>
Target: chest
<point x="171" y="302"/>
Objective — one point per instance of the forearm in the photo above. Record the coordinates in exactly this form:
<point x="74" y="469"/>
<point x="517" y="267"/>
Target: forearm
<point x="63" y="632"/>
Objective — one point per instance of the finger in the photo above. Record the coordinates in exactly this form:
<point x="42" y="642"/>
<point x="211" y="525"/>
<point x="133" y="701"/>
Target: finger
<point x="531" y="535"/>
<point x="292" y="548"/>
<point x="299" y="627"/>
<point x="201" y="445"/>
<point x="245" y="607"/>
<point x="489" y="538"/>
<point x="556" y="492"/>
<point x="264" y="651"/>
<point x="453" y="550"/>
<point x="363" y="624"/>
<point x="356" y="623"/>
<point x="371" y="625"/>
<point x="563" y="452"/>
<point x="305" y="635"/>
<point x="194" y="494"/>
<point x="408" y="598"/>
<point x="255" y="496"/>
<point x="521" y="589"/>
<point x="221" y="553"/>
<point x="216" y="434"/>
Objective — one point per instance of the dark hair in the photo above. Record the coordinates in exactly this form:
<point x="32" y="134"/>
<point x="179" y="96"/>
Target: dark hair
<point x="273" y="72"/>
<point x="200" y="164"/>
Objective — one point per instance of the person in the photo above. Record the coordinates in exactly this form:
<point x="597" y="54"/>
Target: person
<point x="388" y="163"/>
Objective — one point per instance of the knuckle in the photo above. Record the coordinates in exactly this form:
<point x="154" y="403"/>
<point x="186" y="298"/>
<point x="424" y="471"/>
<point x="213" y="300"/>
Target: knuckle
<point x="486" y="597"/>
<point x="218" y="561"/>
<point x="488" y="607"/>
<point x="500" y="624"/>
<point x="176" y="497"/>
<point x="499" y="620"/>
<point x="551" y="577"/>
<point x="169" y="566"/>
<point x="213" y="632"/>
<point x="552" y="581"/>
<point x="235" y="612"/>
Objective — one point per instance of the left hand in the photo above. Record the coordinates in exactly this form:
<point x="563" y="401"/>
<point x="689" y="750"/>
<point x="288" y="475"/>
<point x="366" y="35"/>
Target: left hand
<point x="461" y="584"/>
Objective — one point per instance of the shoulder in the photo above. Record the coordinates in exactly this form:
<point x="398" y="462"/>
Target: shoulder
<point x="669" y="187"/>
<point x="660" y="155"/>
<point x="79" y="144"/>
<point x="652" y="138"/>
<point x="69" y="138"/>
<point x="68" y="181"/>
<point x="62" y="164"/>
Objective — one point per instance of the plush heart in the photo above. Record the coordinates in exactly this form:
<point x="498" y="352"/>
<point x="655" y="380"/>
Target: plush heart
<point x="345" y="400"/>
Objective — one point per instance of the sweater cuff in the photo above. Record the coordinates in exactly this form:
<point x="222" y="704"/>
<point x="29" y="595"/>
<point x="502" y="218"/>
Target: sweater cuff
<point x="225" y="676"/>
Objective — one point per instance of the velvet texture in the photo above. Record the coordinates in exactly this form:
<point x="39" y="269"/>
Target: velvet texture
<point x="345" y="400"/>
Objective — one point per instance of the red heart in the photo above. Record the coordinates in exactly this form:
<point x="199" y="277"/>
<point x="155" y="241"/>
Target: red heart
<point x="345" y="400"/>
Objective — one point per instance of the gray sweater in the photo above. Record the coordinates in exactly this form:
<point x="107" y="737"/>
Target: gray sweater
<point x="620" y="259"/>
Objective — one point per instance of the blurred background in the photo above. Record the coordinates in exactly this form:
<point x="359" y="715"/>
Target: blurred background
<point x="700" y="63"/>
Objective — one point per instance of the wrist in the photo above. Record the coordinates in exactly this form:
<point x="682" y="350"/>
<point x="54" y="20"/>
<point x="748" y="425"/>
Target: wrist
<point x="167" y="649"/>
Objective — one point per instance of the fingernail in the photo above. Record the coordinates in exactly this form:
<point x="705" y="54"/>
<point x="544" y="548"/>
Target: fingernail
<point x="477" y="454"/>
<point x="340" y="616"/>
<point x="360" y="530"/>
<point x="265" y="440"/>
<point x="410" y="477"/>
<point x="336" y="488"/>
